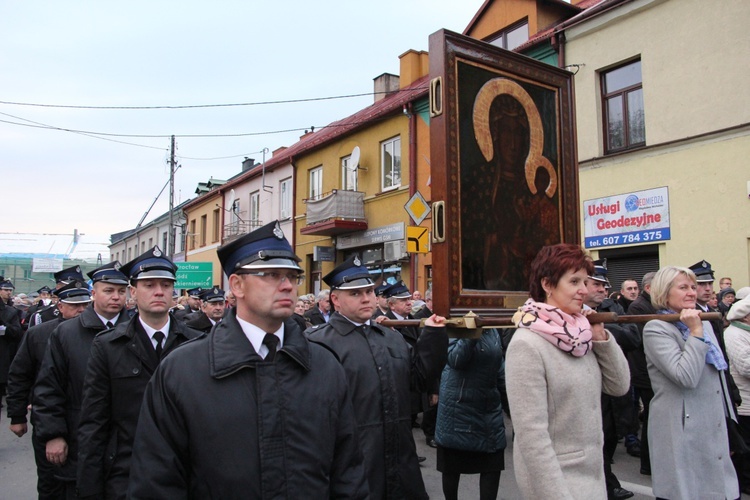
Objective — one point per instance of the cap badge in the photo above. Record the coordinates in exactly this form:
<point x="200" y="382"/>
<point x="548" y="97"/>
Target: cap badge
<point x="157" y="252"/>
<point x="117" y="266"/>
<point x="704" y="264"/>
<point x="357" y="262"/>
<point x="216" y="289"/>
<point x="78" y="269"/>
<point x="277" y="231"/>
<point x="79" y="284"/>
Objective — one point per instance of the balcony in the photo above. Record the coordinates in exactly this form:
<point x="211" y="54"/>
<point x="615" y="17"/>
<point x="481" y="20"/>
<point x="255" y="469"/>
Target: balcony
<point x="335" y="213"/>
<point x="238" y="228"/>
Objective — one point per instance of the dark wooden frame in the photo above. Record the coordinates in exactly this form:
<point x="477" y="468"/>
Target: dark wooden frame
<point x="449" y="54"/>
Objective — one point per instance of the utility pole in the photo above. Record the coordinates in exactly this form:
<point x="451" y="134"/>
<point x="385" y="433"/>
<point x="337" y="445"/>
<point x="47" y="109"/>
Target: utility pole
<point x="171" y="234"/>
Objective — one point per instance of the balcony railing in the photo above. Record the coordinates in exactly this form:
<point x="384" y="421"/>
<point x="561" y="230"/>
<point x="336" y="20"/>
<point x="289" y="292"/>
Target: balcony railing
<point x="338" y="204"/>
<point x="337" y="212"/>
<point x="235" y="229"/>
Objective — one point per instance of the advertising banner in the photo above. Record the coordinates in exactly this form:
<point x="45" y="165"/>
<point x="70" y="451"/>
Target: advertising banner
<point x="627" y="219"/>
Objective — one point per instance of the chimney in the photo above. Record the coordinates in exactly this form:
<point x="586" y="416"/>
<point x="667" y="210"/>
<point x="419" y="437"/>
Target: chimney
<point x="247" y="164"/>
<point x="413" y="66"/>
<point x="384" y="85"/>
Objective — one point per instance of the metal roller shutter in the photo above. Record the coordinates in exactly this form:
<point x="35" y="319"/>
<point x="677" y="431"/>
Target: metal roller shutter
<point x="630" y="263"/>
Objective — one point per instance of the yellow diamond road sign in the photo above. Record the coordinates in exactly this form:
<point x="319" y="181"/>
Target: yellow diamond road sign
<point x="417" y="239"/>
<point x="417" y="208"/>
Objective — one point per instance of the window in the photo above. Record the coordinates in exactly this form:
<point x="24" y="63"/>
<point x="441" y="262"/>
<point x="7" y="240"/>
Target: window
<point x="165" y="242"/>
<point x="622" y="96"/>
<point x="192" y="235"/>
<point x="151" y="243"/>
<point x="285" y="199"/>
<point x="316" y="183"/>
<point x="217" y="223"/>
<point x="348" y="174"/>
<point x="143" y="247"/>
<point x="390" y="159"/>
<point x="130" y="250"/>
<point x="512" y="37"/>
<point x="183" y="238"/>
<point x="234" y="218"/>
<point x="204" y="228"/>
<point x="254" y="210"/>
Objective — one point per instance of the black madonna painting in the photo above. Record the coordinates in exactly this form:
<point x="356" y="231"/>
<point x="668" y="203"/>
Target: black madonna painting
<point x="503" y="159"/>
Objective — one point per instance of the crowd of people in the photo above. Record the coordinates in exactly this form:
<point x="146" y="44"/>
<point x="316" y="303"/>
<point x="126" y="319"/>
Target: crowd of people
<point x="134" y="391"/>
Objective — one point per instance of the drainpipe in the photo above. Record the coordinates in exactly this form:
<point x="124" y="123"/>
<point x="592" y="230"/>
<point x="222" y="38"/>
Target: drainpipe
<point x="409" y="110"/>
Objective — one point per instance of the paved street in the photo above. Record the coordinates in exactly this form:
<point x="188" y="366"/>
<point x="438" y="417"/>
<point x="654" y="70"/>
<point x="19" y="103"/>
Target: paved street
<point x="18" y="477"/>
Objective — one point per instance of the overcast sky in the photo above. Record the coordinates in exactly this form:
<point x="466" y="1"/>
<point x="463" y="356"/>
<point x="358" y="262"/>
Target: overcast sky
<point x="175" y="53"/>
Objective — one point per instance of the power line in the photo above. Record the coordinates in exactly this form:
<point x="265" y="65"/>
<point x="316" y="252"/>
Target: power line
<point x="195" y="106"/>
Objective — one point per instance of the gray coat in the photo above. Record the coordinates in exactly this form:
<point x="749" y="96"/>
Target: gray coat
<point x="688" y="446"/>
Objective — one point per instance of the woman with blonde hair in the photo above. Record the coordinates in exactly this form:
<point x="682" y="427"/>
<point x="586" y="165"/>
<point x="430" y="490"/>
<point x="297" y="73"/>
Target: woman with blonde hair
<point x="688" y="447"/>
<point x="557" y="366"/>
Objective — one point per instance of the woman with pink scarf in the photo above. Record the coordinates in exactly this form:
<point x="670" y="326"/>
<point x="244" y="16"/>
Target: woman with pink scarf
<point x="557" y="366"/>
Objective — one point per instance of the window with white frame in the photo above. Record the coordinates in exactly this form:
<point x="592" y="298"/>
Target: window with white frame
<point x="285" y="199"/>
<point x="390" y="159"/>
<point x="348" y="174"/>
<point x="316" y="183"/>
<point x="255" y="210"/>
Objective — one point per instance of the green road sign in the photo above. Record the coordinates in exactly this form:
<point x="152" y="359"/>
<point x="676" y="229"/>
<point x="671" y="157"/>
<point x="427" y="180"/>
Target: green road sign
<point x="194" y="274"/>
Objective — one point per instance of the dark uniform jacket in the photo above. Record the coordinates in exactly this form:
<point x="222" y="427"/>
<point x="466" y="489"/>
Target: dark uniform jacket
<point x="315" y="317"/>
<point x="44" y="314"/>
<point x="182" y="314"/>
<point x="220" y="422"/>
<point x="382" y="370"/>
<point x="419" y="399"/>
<point x="25" y="368"/>
<point x="199" y="322"/>
<point x="637" y="358"/>
<point x="10" y="317"/>
<point x="58" y="392"/>
<point x="121" y="364"/>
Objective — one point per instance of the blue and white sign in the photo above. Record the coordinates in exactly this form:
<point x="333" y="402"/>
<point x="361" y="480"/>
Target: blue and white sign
<point x="627" y="219"/>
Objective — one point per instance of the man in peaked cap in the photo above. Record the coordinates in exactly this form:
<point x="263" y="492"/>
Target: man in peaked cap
<point x="58" y="393"/>
<point x="704" y="277"/>
<point x="382" y="300"/>
<point x="122" y="360"/>
<point x="212" y="310"/>
<point x="380" y="367"/>
<point x="72" y="301"/>
<point x="255" y="392"/>
<point x="11" y="331"/>
<point x="62" y="278"/>
<point x="193" y="308"/>
<point x="399" y="308"/>
<point x="617" y="412"/>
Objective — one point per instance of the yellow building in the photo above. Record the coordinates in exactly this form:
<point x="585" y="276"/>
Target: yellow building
<point x="354" y="177"/>
<point x="204" y="221"/>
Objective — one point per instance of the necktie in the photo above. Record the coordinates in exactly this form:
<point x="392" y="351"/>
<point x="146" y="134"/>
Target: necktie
<point x="272" y="342"/>
<point x="158" y="337"/>
<point x="110" y="325"/>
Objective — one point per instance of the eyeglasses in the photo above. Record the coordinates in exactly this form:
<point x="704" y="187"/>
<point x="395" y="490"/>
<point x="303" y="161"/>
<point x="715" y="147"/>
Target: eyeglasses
<point x="278" y="278"/>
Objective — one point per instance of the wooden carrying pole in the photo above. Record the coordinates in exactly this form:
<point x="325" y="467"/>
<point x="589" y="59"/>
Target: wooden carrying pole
<point x="472" y="321"/>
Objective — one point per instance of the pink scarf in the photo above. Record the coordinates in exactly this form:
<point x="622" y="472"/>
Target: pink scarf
<point x="571" y="334"/>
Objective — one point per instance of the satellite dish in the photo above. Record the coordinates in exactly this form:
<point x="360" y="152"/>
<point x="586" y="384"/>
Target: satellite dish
<point x="230" y="200"/>
<point x="354" y="159"/>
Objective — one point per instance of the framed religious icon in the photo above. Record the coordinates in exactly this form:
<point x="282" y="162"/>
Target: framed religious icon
<point x="504" y="171"/>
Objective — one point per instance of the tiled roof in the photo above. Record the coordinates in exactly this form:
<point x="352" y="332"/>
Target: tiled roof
<point x="589" y="9"/>
<point x="333" y="131"/>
